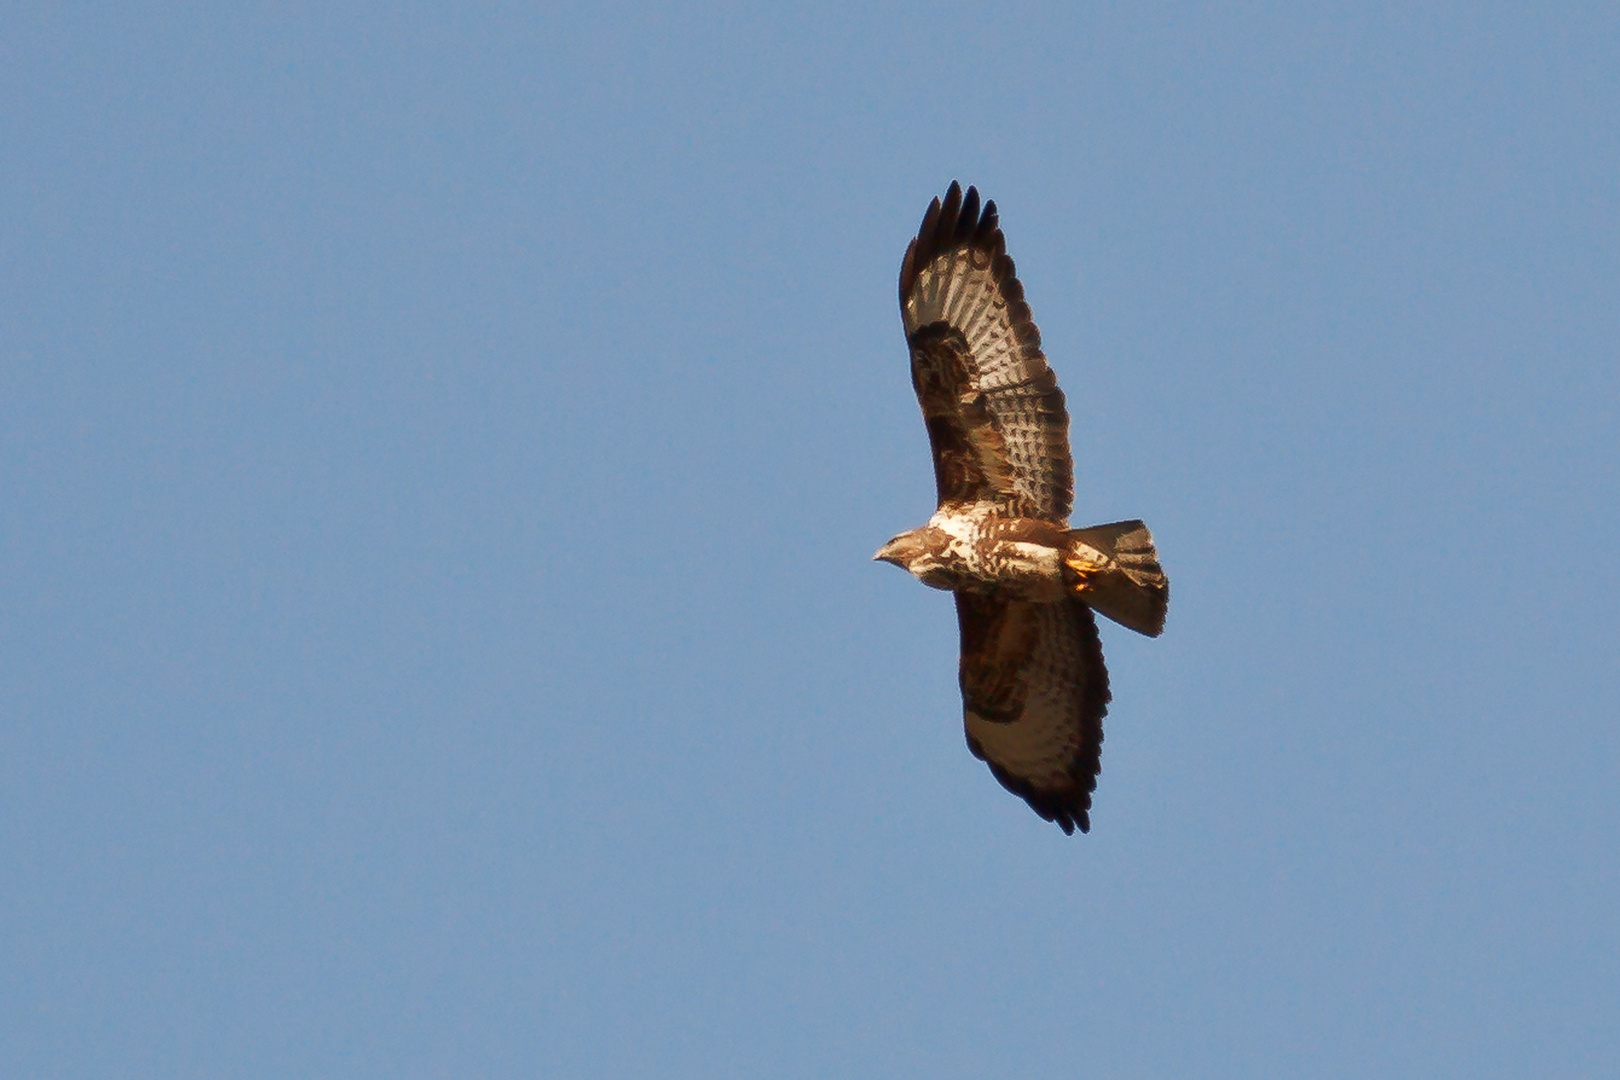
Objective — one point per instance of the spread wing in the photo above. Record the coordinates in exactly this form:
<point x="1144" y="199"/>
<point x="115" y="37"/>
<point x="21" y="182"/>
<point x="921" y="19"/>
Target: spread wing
<point x="1034" y="693"/>
<point x="995" y="416"/>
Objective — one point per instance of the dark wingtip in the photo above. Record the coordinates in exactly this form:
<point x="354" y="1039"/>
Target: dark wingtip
<point x="1072" y="819"/>
<point x="908" y="270"/>
<point x="920" y="249"/>
<point x="930" y="223"/>
<point x="950" y="216"/>
<point x="968" y="223"/>
<point x="959" y="217"/>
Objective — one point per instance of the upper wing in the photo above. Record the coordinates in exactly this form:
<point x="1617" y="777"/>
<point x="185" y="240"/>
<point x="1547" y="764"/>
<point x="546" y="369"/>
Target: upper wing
<point x="995" y="415"/>
<point x="1034" y="693"/>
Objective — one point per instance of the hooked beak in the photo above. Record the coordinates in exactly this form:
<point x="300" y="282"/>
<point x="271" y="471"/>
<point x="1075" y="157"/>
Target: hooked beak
<point x="889" y="553"/>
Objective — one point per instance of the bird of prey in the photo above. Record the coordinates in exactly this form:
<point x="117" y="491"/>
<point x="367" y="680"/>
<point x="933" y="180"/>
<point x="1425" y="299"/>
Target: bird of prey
<point x="1034" y="688"/>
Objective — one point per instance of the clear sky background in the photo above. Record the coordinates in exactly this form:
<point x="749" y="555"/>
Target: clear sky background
<point x="441" y="451"/>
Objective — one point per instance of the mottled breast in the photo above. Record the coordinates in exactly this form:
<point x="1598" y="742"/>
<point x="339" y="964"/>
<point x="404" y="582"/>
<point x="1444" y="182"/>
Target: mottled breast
<point x="1013" y="557"/>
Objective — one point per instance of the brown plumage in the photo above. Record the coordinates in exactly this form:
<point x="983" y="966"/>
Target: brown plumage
<point x="1034" y="686"/>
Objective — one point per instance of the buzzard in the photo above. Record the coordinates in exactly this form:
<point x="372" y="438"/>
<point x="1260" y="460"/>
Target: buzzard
<point x="1034" y="688"/>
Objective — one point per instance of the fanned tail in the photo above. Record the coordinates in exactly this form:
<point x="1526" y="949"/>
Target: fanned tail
<point x="1115" y="569"/>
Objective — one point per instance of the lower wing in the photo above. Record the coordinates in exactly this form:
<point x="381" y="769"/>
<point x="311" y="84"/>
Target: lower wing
<point x="1034" y="693"/>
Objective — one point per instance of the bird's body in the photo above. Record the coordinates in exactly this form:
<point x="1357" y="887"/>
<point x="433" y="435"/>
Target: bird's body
<point x="975" y="549"/>
<point x="1034" y="687"/>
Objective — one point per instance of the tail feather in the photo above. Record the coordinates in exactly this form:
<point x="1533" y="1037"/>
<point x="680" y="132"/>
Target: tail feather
<point x="1115" y="569"/>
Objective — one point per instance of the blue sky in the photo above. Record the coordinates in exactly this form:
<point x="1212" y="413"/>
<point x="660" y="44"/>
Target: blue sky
<point x="441" y="450"/>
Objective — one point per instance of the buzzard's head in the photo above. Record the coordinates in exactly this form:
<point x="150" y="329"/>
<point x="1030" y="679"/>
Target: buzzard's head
<point x="922" y="553"/>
